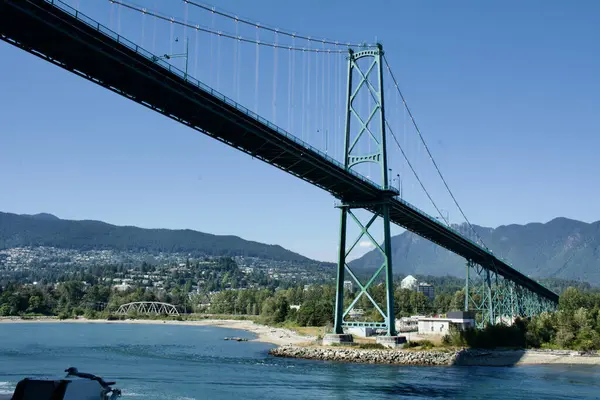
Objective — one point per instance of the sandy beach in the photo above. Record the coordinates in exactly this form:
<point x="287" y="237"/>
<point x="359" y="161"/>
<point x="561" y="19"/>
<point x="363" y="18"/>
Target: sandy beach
<point x="267" y="334"/>
<point x="531" y="357"/>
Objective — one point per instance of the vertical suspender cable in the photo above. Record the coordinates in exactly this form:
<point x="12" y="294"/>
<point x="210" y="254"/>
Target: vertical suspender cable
<point x="308" y="129"/>
<point x="275" y="81"/>
<point x="185" y="28"/>
<point x="336" y="110"/>
<point x="234" y="91"/>
<point x="119" y="20"/>
<point x="239" y="72"/>
<point x="329" y="131"/>
<point x="315" y="129"/>
<point x="293" y="86"/>
<point x="367" y="103"/>
<point x="316" y="112"/>
<point x="323" y="128"/>
<point x="406" y="136"/>
<point x="256" y="66"/>
<point x="196" y="40"/>
<point x="303" y="92"/>
<point x="171" y="38"/>
<point x="219" y="62"/>
<point x="111" y="18"/>
<point x="143" y="28"/>
<point x="235" y="58"/>
<point x="212" y="60"/>
<point x="289" y="91"/>
<point x="154" y="32"/>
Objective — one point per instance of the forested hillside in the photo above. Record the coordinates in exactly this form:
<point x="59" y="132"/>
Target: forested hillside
<point x="47" y="230"/>
<point x="562" y="248"/>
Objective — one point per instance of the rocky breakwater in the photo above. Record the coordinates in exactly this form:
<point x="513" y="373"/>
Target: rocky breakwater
<point x="401" y="357"/>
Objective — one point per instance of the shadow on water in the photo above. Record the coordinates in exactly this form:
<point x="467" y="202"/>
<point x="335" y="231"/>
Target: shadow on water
<point x="347" y="381"/>
<point x="414" y="390"/>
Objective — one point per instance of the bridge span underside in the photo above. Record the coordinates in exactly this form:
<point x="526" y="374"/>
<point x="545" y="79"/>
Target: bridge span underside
<point x="82" y="46"/>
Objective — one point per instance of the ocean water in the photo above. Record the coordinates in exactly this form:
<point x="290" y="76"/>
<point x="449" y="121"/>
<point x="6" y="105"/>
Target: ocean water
<point x="187" y="362"/>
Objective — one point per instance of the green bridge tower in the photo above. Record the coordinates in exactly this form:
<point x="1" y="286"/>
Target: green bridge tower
<point x="371" y="128"/>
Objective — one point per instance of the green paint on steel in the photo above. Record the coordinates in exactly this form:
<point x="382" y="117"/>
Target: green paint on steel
<point x="353" y="157"/>
<point x="339" y="293"/>
<point x="495" y="299"/>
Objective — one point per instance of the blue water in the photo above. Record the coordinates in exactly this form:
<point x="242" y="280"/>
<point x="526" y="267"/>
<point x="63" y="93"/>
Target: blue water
<point x="187" y="362"/>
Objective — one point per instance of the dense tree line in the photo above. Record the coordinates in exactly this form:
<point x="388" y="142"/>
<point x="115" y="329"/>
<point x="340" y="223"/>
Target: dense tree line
<point x="316" y="304"/>
<point x="575" y="325"/>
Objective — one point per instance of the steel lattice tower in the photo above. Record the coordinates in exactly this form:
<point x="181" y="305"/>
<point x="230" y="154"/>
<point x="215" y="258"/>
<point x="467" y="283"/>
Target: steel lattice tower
<point x="380" y="207"/>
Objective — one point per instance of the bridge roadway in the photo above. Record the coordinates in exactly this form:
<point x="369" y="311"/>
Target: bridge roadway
<point x="53" y="31"/>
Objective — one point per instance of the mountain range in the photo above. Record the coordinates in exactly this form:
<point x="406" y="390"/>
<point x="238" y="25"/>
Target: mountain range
<point x="49" y="230"/>
<point x="562" y="248"/>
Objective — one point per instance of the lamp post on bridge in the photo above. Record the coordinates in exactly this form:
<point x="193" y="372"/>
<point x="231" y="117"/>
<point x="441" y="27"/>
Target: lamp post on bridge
<point x="399" y="182"/>
<point x="180" y="55"/>
<point x="326" y="139"/>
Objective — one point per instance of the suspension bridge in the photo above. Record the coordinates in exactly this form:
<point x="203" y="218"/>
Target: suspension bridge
<point x="343" y="120"/>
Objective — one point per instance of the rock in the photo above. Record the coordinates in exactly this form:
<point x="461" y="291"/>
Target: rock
<point x="368" y="356"/>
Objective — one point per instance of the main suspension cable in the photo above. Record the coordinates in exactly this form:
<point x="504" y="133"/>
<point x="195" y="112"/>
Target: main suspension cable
<point x="429" y="152"/>
<point x="277" y="30"/>
<point x="229" y="35"/>
<point x="414" y="172"/>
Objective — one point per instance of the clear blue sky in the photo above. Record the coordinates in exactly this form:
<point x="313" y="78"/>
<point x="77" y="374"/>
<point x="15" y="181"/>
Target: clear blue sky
<point x="507" y="94"/>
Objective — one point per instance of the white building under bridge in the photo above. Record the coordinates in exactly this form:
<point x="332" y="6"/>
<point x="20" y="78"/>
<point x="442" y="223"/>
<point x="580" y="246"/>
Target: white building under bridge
<point x="441" y="326"/>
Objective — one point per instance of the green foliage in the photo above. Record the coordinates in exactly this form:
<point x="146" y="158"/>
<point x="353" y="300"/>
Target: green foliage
<point x="423" y="344"/>
<point x="64" y="315"/>
<point x="409" y="302"/>
<point x="492" y="336"/>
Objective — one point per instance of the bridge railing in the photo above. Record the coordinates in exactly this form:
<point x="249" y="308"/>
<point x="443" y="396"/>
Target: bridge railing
<point x="167" y="66"/>
<point x="152" y="57"/>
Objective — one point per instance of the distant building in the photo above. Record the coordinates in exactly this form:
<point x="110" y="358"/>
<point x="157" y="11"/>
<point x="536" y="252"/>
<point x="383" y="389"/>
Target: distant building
<point x="405" y="324"/>
<point x="410" y="282"/>
<point x="348" y="286"/>
<point x="441" y="326"/>
<point x="427" y="290"/>
<point x="122" y="287"/>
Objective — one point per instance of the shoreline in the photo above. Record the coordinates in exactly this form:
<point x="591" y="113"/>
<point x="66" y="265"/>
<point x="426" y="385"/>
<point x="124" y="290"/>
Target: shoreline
<point x="294" y="345"/>
<point x="439" y="357"/>
<point x="264" y="333"/>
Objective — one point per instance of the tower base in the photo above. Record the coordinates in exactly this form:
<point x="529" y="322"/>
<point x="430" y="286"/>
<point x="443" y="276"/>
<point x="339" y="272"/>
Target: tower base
<point x="335" y="338"/>
<point x="392" y="342"/>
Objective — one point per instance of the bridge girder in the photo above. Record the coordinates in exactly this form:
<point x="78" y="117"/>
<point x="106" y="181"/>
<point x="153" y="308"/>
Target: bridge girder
<point x="147" y="307"/>
<point x="495" y="299"/>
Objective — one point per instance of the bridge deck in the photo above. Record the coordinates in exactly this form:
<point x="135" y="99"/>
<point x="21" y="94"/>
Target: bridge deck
<point x="84" y="47"/>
